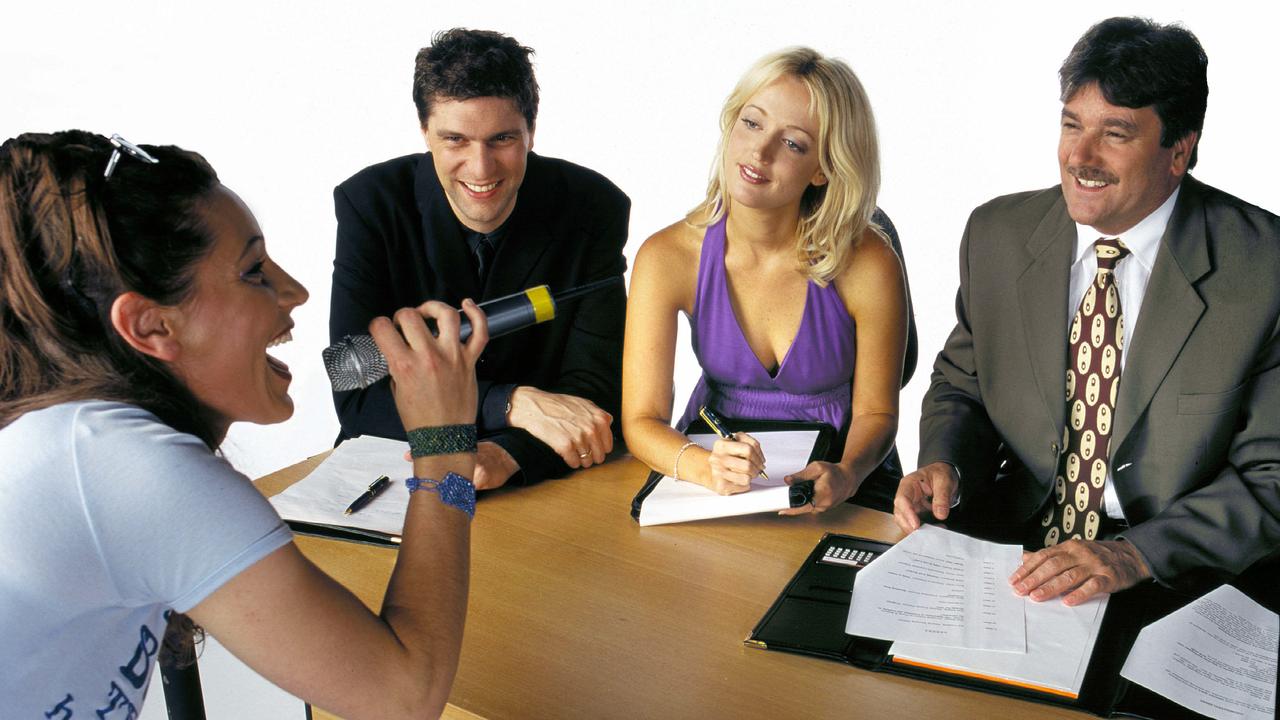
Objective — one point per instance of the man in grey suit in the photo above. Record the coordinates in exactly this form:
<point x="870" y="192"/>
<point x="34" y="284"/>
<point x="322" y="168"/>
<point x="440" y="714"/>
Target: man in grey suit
<point x="1115" y="455"/>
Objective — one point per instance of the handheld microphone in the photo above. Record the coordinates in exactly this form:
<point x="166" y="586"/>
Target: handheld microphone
<point x="355" y="363"/>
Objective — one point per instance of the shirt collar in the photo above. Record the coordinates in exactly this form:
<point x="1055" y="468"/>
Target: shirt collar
<point x="1143" y="239"/>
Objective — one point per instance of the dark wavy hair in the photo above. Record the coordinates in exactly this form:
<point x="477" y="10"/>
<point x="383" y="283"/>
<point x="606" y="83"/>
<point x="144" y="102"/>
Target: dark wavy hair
<point x="1137" y="63"/>
<point x="71" y="242"/>
<point x="462" y="64"/>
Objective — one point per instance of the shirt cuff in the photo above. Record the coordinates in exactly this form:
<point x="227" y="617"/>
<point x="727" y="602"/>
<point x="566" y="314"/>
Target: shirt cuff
<point x="955" y="500"/>
<point x="494" y="407"/>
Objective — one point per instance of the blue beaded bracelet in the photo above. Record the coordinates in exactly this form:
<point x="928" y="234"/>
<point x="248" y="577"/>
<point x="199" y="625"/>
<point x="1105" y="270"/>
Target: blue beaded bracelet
<point x="453" y="489"/>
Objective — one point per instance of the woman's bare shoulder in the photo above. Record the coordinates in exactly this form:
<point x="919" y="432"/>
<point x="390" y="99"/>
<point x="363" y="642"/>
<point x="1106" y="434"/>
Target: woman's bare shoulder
<point x="679" y="242"/>
<point x="873" y="265"/>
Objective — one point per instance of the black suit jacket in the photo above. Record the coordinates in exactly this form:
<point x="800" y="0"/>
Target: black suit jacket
<point x="399" y="244"/>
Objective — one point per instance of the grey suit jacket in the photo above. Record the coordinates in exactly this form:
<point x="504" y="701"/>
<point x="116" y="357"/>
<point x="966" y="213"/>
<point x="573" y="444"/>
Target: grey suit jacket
<point x="1195" y="453"/>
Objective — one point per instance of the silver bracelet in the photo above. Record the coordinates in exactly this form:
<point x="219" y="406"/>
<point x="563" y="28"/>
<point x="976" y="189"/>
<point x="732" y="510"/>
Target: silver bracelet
<point x="675" y="469"/>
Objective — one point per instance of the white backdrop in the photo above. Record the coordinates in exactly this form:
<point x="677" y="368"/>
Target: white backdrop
<point x="288" y="99"/>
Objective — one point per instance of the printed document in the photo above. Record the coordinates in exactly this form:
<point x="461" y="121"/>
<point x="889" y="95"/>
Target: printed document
<point x="321" y="497"/>
<point x="1060" y="643"/>
<point x="1216" y="656"/>
<point x="939" y="587"/>
<point x="785" y="452"/>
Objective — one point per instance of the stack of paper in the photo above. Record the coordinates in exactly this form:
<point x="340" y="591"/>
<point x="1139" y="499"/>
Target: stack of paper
<point x="945" y="601"/>
<point x="941" y="588"/>
<point x="785" y="452"/>
<point x="1060" y="642"/>
<point x="321" y="497"/>
<point x="1216" y="656"/>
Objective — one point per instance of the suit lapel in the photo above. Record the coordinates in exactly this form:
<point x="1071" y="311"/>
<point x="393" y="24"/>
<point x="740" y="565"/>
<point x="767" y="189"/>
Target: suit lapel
<point x="1171" y="307"/>
<point x="448" y="258"/>
<point x="533" y="227"/>
<point x="1042" y="294"/>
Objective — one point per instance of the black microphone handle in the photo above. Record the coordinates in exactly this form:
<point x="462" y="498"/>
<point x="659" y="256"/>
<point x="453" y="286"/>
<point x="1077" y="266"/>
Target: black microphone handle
<point x="355" y="362"/>
<point x="520" y="310"/>
<point x="505" y="314"/>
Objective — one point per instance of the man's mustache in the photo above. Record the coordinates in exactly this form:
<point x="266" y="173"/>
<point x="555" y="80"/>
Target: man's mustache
<point x="1092" y="173"/>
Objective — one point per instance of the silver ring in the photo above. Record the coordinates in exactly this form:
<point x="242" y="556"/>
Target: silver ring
<point x="583" y="455"/>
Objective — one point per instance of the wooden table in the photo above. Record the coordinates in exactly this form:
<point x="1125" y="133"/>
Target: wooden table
<point x="578" y="612"/>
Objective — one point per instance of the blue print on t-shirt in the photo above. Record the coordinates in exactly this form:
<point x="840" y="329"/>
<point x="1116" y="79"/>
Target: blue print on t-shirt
<point x="118" y="706"/>
<point x="61" y="711"/>
<point x="139" y="666"/>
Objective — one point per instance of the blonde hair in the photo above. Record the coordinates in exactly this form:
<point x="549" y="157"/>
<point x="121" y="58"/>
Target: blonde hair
<point x="833" y="216"/>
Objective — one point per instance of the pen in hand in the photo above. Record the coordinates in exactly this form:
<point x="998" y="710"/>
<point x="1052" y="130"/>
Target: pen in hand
<point x="376" y="487"/>
<point x="718" y="427"/>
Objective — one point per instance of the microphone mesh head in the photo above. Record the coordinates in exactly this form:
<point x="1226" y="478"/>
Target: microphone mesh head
<point x="354" y="363"/>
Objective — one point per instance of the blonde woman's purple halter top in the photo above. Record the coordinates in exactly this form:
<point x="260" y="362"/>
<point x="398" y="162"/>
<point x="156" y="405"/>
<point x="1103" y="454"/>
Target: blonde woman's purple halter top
<point x="813" y="381"/>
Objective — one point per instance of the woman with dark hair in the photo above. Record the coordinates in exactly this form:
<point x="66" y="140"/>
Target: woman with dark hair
<point x="138" y="302"/>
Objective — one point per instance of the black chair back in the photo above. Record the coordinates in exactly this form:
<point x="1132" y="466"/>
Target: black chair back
<point x="913" y="350"/>
<point x="183" y="696"/>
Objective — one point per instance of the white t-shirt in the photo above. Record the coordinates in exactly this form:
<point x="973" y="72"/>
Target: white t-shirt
<point x="109" y="519"/>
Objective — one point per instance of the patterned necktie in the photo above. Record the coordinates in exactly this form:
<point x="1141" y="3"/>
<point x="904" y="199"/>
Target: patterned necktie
<point x="1093" y="377"/>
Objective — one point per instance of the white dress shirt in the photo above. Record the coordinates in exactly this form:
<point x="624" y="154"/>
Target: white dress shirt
<point x="1131" y="276"/>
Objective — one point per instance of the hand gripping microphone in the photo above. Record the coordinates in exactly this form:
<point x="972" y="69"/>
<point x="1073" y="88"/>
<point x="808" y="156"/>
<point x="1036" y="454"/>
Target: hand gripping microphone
<point x="355" y="363"/>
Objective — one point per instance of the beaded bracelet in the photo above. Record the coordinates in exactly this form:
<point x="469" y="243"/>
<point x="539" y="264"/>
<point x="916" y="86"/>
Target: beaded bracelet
<point x="442" y="440"/>
<point x="675" y="469"/>
<point x="454" y="490"/>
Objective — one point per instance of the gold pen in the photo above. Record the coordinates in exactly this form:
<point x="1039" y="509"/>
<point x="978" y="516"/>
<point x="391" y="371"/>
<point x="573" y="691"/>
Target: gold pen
<point x="717" y="426"/>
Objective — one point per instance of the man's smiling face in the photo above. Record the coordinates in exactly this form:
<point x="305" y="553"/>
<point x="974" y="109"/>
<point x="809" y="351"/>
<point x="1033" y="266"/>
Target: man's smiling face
<point x="1114" y="171"/>
<point x="480" y="149"/>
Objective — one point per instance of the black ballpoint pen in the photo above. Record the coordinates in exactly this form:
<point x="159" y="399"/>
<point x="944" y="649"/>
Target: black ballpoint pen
<point x="717" y="426"/>
<point x="365" y="498"/>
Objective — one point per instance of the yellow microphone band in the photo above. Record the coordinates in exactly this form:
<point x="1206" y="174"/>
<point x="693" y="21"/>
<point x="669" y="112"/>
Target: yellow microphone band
<point x="544" y="308"/>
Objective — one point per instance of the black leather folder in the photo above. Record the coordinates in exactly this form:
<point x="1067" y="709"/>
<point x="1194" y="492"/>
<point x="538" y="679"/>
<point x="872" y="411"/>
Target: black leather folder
<point x="343" y="532"/>
<point x="809" y="618"/>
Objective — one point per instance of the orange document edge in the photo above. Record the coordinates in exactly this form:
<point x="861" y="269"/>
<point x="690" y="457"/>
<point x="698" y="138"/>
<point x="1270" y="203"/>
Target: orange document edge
<point x="979" y="676"/>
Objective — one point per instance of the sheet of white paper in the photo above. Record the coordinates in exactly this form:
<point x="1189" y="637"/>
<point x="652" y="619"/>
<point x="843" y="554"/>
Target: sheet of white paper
<point x="1216" y="656"/>
<point x="785" y="452"/>
<point x="941" y="588"/>
<point x="322" y="496"/>
<point x="1060" y="642"/>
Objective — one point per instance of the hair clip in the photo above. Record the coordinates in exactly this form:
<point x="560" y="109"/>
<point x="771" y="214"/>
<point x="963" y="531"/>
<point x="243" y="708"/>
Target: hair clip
<point x="129" y="149"/>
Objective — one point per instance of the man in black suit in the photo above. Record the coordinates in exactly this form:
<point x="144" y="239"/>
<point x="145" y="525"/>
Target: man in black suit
<point x="480" y="216"/>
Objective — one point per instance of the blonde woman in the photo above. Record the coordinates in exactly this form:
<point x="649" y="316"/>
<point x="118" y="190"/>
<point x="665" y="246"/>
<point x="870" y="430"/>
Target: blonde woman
<point x="795" y="296"/>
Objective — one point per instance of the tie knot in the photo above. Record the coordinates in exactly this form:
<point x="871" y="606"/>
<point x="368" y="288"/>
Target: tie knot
<point x="1109" y="252"/>
<point x="476" y="239"/>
